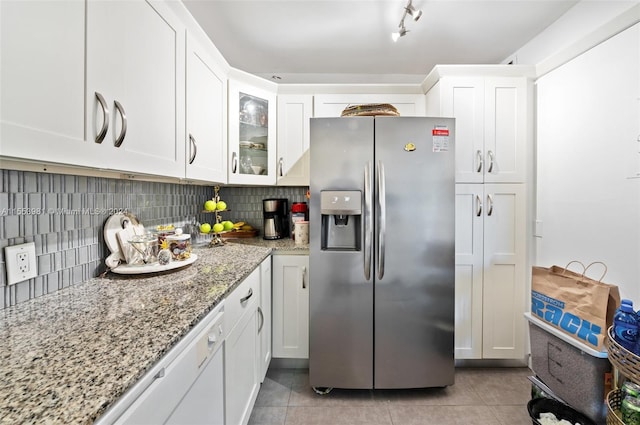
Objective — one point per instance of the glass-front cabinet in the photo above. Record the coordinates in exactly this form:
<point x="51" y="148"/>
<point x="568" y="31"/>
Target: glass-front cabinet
<point x="252" y="135"/>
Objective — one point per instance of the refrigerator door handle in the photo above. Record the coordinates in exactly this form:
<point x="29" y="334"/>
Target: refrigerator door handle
<point x="478" y="206"/>
<point x="382" y="218"/>
<point x="368" y="211"/>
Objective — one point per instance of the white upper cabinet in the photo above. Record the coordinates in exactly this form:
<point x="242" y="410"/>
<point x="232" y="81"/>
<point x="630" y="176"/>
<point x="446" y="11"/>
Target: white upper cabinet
<point x="206" y="135"/>
<point x="42" y="81"/>
<point x="135" y="86"/>
<point x="332" y="105"/>
<point x="493" y="125"/>
<point x="252" y="134"/>
<point x="294" y="113"/>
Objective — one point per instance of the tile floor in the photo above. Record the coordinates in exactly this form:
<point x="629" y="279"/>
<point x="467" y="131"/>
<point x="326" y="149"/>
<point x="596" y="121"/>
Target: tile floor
<point x="480" y="396"/>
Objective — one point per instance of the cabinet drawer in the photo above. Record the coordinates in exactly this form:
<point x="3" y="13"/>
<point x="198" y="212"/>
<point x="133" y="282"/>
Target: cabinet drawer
<point x="243" y="299"/>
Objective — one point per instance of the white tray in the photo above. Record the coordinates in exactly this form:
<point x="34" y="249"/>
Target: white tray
<point x="153" y="268"/>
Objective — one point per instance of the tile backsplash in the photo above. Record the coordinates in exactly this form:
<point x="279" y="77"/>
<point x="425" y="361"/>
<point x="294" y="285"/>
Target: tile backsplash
<point x="64" y="215"/>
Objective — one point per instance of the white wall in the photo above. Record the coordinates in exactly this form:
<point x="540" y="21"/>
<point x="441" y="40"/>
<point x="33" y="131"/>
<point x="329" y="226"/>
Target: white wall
<point x="585" y="25"/>
<point x="588" y="123"/>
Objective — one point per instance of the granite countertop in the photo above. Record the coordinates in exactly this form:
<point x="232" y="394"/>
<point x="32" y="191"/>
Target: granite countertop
<point x="286" y="245"/>
<point x="67" y="356"/>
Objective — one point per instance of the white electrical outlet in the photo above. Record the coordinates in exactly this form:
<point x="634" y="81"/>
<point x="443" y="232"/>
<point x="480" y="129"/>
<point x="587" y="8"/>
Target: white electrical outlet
<point x="20" y="262"/>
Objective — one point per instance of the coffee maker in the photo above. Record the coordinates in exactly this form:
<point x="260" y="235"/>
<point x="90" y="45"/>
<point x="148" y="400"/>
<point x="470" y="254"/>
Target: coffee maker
<point x="275" y="212"/>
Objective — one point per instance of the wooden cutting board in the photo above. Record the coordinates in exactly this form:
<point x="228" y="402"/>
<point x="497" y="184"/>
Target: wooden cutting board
<point x="239" y="234"/>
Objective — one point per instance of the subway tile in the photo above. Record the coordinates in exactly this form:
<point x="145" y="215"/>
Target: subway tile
<point x="11" y="226"/>
<point x="44" y="263"/>
<point x="22" y="291"/>
<point x="4" y="203"/>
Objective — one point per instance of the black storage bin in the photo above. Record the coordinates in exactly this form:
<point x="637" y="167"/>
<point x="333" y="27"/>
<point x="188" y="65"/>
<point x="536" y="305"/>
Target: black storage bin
<point x="562" y="411"/>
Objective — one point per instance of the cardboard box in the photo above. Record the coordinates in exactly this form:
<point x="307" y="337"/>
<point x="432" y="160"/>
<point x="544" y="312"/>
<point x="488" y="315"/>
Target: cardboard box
<point x="575" y="372"/>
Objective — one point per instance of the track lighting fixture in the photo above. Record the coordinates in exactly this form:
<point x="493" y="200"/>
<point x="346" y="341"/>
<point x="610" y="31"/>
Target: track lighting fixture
<point x="410" y="10"/>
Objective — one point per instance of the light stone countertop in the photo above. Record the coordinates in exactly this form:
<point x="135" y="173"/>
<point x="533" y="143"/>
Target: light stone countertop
<point x="67" y="356"/>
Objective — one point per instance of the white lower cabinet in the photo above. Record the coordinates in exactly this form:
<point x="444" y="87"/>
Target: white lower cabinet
<point x="291" y="306"/>
<point x="242" y="350"/>
<point x="265" y="324"/>
<point x="490" y="271"/>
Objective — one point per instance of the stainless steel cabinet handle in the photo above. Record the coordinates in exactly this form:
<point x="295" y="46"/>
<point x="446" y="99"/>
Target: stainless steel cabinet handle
<point x="193" y="147"/>
<point x="304" y="272"/>
<point x="479" y="161"/>
<point x="123" y="131"/>
<point x="368" y="219"/>
<point x="490" y="169"/>
<point x="234" y="162"/>
<point x="490" y="204"/>
<point x="105" y="118"/>
<point x="246" y="297"/>
<point x="382" y="217"/>
<point x="281" y="165"/>
<point x="261" y="319"/>
<point x="478" y="206"/>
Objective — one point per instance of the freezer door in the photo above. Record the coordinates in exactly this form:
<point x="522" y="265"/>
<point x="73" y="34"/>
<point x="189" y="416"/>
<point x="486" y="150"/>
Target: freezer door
<point x="341" y="297"/>
<point x="414" y="246"/>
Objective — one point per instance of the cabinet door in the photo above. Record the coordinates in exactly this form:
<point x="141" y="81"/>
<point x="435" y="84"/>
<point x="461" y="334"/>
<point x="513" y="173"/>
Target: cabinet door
<point x="134" y="54"/>
<point x="504" y="271"/>
<point x="206" y="138"/>
<point x="252" y="135"/>
<point x="294" y="113"/>
<point x="42" y="81"/>
<point x="241" y="369"/>
<point x="291" y="306"/>
<point x="469" y="263"/>
<point x="463" y="99"/>
<point x="264" y="326"/>
<point x="505" y="130"/>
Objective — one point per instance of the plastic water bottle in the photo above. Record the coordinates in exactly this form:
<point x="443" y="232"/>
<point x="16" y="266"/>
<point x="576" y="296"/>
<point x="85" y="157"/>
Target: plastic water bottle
<point x="625" y="325"/>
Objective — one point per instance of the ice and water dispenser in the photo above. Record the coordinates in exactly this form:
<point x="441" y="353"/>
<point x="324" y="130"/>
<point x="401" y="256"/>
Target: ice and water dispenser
<point x="341" y="212"/>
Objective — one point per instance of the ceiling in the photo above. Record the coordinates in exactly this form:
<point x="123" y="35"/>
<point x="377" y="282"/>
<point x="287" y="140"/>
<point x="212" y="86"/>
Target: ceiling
<point x="349" y="41"/>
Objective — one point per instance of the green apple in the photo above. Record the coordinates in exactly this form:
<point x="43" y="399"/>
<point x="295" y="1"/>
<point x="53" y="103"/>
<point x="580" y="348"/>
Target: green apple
<point x="228" y="225"/>
<point x="210" y="205"/>
<point x="218" y="227"/>
<point x="221" y="206"/>
<point x="205" y="227"/>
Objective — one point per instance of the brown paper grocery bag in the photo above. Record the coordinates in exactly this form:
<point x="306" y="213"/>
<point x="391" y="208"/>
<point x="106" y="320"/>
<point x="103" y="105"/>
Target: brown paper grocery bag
<point x="573" y="303"/>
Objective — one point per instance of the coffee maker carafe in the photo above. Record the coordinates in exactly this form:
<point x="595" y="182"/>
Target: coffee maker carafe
<point x="276" y="218"/>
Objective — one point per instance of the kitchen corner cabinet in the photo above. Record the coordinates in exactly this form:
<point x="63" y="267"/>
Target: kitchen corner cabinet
<point x="265" y="324"/>
<point x="294" y="114"/>
<point x="42" y="45"/>
<point x="206" y="128"/>
<point x="291" y="306"/>
<point x="242" y="350"/>
<point x="252" y="135"/>
<point x="135" y="84"/>
<point x="492" y="125"/>
<point x="490" y="271"/>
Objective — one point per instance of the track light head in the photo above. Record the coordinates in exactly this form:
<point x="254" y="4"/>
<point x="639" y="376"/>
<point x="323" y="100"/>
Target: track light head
<point x="402" y="31"/>
<point x="413" y="12"/>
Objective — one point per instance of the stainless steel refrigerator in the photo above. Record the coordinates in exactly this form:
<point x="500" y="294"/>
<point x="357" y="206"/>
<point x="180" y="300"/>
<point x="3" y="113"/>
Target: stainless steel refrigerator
<point x="381" y="252"/>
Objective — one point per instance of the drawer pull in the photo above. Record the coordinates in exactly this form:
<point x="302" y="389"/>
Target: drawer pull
<point x="246" y="297"/>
